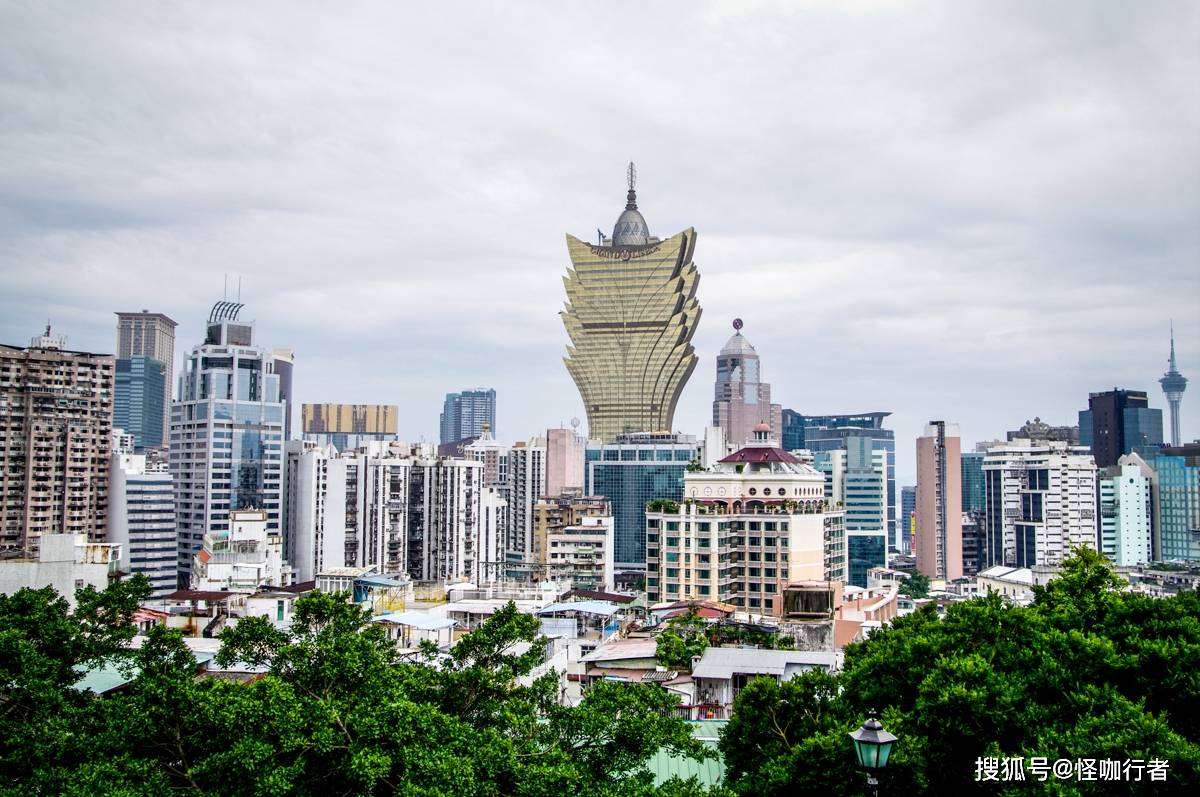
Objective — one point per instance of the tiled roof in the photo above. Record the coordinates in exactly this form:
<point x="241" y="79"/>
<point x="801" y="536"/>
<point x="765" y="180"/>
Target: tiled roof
<point x="761" y="454"/>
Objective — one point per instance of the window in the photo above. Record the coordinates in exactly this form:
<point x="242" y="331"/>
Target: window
<point x="752" y="491"/>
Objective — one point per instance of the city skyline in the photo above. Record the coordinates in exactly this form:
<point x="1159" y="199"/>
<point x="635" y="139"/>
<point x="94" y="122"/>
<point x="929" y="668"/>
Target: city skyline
<point x="979" y="202"/>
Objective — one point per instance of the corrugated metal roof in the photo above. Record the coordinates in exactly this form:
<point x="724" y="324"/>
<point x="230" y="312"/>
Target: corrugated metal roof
<point x="604" y="608"/>
<point x="419" y="620"/>
<point x="724" y="662"/>
<point x="665" y="766"/>
<point x="632" y="648"/>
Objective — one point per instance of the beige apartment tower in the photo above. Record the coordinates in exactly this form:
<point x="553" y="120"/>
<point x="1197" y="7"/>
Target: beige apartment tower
<point x="939" y="501"/>
<point x="55" y="440"/>
<point x="631" y="312"/>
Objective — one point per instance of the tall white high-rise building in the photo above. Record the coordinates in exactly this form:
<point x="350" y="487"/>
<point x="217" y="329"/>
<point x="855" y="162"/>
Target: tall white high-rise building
<point x="526" y="484"/>
<point x="1039" y="500"/>
<point x="1126" y="511"/>
<point x="141" y="519"/>
<point x="397" y="508"/>
<point x="227" y="431"/>
<point x="493" y="454"/>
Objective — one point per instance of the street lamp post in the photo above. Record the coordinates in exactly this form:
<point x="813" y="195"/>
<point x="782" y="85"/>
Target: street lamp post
<point x="873" y="746"/>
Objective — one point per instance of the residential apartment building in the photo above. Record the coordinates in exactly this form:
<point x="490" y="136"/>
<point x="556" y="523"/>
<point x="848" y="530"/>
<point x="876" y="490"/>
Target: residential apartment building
<point x="573" y="540"/>
<point x="227" y="431"/>
<point x="56" y="411"/>
<point x="1127" y="511"/>
<point x="583" y="554"/>
<point x="565" y="450"/>
<point x="746" y="528"/>
<point x="398" y="509"/>
<point x="526" y="484"/>
<point x="1041" y="500"/>
<point x="494" y="456"/>
<point x="65" y="562"/>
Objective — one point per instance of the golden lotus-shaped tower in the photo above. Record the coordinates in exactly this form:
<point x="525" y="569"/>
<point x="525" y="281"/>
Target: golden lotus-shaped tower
<point x="631" y="312"/>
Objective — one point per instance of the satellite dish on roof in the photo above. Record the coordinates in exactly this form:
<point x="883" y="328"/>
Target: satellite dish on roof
<point x="574" y="423"/>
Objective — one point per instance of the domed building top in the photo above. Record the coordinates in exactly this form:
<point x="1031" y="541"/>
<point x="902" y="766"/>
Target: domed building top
<point x="631" y="228"/>
<point x="737" y="345"/>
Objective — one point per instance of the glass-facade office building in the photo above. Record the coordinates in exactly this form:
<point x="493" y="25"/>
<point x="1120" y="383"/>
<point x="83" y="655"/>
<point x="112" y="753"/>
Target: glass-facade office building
<point x="1178" y="472"/>
<point x="973" y="484"/>
<point x="818" y="433"/>
<point x="139" y="400"/>
<point x="227" y="431"/>
<point x="465" y="414"/>
<point x="631" y="471"/>
<point x="855" y="477"/>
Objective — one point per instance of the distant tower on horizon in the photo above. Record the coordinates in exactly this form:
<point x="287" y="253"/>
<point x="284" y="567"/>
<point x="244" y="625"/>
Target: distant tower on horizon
<point x="631" y="312"/>
<point x="1173" y="384"/>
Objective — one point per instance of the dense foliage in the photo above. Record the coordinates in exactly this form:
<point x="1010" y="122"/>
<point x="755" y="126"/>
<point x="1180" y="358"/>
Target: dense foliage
<point x="915" y="586"/>
<point x="338" y="713"/>
<point x="684" y="638"/>
<point x="1087" y="671"/>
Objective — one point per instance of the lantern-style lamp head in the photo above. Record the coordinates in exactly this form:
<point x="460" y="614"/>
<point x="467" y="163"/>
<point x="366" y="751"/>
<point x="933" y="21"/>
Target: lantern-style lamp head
<point x="872" y="744"/>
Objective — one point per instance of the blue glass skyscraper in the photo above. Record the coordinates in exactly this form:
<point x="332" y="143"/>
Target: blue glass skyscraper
<point x="464" y="415"/>
<point x="830" y="432"/>
<point x="139" y="399"/>
<point x="226" y="433"/>
<point x="634" y="469"/>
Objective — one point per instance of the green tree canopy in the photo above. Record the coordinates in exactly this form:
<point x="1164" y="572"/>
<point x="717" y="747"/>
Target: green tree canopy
<point x="337" y="712"/>
<point x="684" y="638"/>
<point x="1087" y="671"/>
<point x="915" y="586"/>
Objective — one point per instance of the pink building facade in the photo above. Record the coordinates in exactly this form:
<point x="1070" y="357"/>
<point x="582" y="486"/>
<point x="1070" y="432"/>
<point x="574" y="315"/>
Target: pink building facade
<point x="939" y="502"/>
<point x="564" y="461"/>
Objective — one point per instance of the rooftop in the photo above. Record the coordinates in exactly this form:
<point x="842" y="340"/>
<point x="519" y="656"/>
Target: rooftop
<point x="724" y="662"/>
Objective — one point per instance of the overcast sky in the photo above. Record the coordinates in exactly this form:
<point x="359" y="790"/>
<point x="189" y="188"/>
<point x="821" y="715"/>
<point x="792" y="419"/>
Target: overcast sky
<point x="970" y="211"/>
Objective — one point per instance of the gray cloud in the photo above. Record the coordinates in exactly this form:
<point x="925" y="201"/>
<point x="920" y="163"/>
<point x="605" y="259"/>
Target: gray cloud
<point x="962" y="210"/>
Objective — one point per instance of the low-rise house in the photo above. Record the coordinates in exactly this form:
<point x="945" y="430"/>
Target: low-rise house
<point x="721" y="673"/>
<point x="621" y="660"/>
<point x="202" y="613"/>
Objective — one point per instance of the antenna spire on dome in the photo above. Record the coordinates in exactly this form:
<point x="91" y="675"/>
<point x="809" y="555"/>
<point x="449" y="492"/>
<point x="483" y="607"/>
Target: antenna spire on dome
<point x="631" y="179"/>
